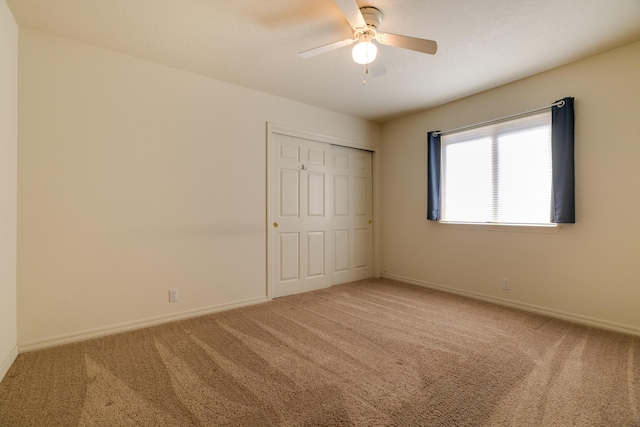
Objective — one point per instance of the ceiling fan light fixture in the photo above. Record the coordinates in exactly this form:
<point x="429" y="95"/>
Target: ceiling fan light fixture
<point x="364" y="52"/>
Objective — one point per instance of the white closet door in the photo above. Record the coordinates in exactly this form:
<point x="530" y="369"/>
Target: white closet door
<point x="351" y="225"/>
<point x="300" y="215"/>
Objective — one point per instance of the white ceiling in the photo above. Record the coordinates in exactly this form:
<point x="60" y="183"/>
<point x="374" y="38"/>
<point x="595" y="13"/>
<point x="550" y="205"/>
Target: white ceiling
<point x="481" y="43"/>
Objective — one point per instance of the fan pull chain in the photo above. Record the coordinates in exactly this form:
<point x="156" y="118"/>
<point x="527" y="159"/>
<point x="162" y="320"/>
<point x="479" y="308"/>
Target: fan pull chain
<point x="366" y="72"/>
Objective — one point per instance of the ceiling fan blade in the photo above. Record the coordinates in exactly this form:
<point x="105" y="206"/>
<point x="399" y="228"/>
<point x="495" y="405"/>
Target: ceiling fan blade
<point x="326" y="48"/>
<point x="377" y="68"/>
<point x="406" y="42"/>
<point x="351" y="11"/>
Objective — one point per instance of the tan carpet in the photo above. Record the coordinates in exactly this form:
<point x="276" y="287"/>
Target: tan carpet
<point x="367" y="353"/>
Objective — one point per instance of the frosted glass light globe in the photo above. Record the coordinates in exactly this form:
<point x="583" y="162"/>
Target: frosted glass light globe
<point x="364" y="53"/>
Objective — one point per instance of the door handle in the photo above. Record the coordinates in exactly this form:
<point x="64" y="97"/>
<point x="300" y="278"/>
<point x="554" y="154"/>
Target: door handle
<point x="275" y="225"/>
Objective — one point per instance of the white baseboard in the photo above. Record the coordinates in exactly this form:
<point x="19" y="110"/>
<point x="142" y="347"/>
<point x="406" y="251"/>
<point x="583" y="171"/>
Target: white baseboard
<point x="559" y="314"/>
<point x="129" y="326"/>
<point x="8" y="361"/>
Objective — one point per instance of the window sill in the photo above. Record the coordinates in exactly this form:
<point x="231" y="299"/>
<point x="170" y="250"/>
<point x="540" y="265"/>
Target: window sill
<point x="512" y="228"/>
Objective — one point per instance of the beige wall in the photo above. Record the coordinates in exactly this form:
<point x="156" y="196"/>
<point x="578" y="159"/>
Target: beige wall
<point x="8" y="184"/>
<point x="589" y="271"/>
<point x="135" y="178"/>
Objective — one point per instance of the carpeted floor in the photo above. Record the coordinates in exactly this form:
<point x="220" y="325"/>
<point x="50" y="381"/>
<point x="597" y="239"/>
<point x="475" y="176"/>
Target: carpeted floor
<point x="370" y="353"/>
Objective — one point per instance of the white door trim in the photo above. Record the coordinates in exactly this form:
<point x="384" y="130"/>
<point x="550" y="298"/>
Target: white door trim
<point x="274" y="128"/>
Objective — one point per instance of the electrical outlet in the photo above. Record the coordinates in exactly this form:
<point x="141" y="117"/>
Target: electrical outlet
<point x="506" y="284"/>
<point x="173" y="295"/>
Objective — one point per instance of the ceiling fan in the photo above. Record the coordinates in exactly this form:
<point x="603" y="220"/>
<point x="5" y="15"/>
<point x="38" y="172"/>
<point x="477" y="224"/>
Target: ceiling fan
<point x="364" y="22"/>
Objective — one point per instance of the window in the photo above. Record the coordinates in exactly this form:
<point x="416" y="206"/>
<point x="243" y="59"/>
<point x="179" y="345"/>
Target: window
<point x="499" y="173"/>
<point x="515" y="170"/>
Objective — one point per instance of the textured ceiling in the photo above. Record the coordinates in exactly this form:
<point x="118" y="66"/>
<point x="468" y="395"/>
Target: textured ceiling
<point x="481" y="44"/>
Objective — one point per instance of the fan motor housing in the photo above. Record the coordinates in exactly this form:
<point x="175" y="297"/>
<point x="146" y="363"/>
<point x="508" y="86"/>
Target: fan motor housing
<point x="372" y="17"/>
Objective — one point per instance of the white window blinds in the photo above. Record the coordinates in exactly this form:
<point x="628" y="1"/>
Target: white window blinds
<point x="500" y="173"/>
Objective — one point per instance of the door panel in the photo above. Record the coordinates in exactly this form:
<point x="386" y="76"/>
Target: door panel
<point x="316" y="156"/>
<point x="360" y="197"/>
<point x="360" y="240"/>
<point x="315" y="254"/>
<point x="289" y="256"/>
<point x="341" y="195"/>
<point x="290" y="152"/>
<point x="289" y="194"/>
<point x="316" y="194"/>
<point x="341" y="250"/>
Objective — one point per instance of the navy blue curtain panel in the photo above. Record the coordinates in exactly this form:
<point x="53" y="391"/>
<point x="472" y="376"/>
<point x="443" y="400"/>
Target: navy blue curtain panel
<point x="563" y="205"/>
<point x="433" y="176"/>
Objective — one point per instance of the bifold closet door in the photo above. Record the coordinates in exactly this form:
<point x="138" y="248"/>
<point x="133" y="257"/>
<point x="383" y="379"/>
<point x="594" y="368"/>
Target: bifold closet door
<point x="352" y="214"/>
<point x="320" y="201"/>
<point x="300" y="228"/>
